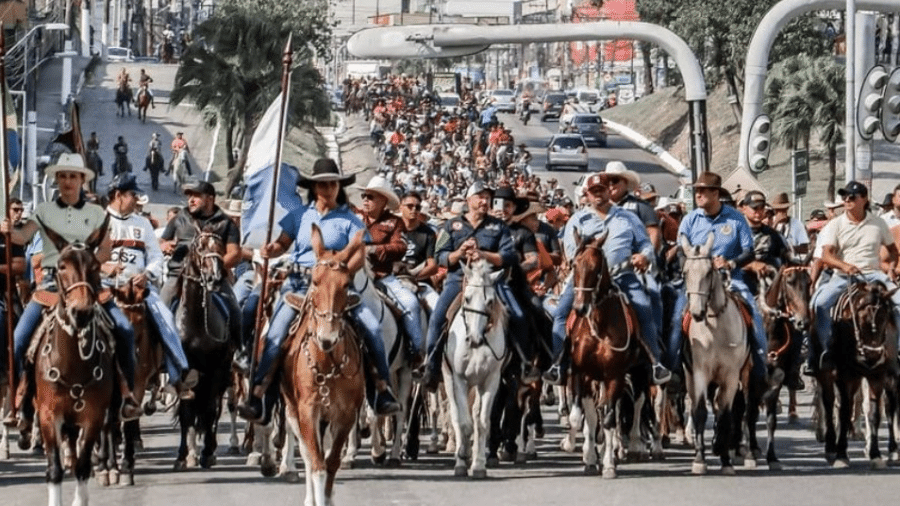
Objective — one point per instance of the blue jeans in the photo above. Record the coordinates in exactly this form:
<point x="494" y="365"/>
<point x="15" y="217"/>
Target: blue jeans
<point x="164" y="321"/>
<point x="284" y="315"/>
<point x="122" y="331"/>
<point x="243" y="286"/>
<point x="563" y="308"/>
<point x="248" y="317"/>
<point x="757" y="347"/>
<point x="826" y="297"/>
<point x="408" y="302"/>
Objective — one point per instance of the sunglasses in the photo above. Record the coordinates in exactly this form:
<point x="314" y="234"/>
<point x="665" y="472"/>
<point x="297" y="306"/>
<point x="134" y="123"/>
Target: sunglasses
<point x="615" y="180"/>
<point x="413" y="206"/>
<point x="17" y="209"/>
<point x="368" y="196"/>
<point x="849" y="197"/>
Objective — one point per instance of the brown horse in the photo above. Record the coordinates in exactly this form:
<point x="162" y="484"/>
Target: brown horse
<point x="74" y="365"/>
<point x="787" y="318"/>
<point x="605" y="347"/>
<point x="864" y="337"/>
<point x="142" y="103"/>
<point x="323" y="380"/>
<point x="208" y="344"/>
<point x="124" y="96"/>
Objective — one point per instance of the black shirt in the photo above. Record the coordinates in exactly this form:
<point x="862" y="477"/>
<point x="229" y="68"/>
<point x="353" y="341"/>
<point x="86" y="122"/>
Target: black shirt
<point x="523" y="239"/>
<point x="642" y="209"/>
<point x="17" y="252"/>
<point x="184" y="227"/>
<point x="419" y="245"/>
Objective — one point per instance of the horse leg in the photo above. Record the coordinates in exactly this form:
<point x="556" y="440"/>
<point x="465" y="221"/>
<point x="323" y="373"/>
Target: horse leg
<point x="726" y="423"/>
<point x="636" y="449"/>
<point x="132" y="434"/>
<point x="184" y="422"/>
<point x="104" y="446"/>
<point x="462" y="421"/>
<point x="88" y="438"/>
<point x="698" y="418"/>
<point x="792" y="407"/>
<point x="314" y="457"/>
<point x="353" y="441"/>
<point x="432" y="411"/>
<point x="890" y="399"/>
<point x="612" y="395"/>
<point x="845" y="413"/>
<point x="495" y="439"/>
<point x="589" y="412"/>
<point x="826" y="391"/>
<point x="379" y="450"/>
<point x="575" y="418"/>
<point x="333" y="458"/>
<point x="771" y="425"/>
<point x="209" y="425"/>
<point x="414" y="427"/>
<point x="51" y="432"/>
<point x="486" y="397"/>
<point x="873" y="420"/>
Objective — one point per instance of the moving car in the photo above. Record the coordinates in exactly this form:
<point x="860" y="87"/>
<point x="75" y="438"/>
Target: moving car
<point x="567" y="150"/>
<point x="504" y="100"/>
<point x="552" y="105"/>
<point x="590" y="126"/>
<point x="119" y="54"/>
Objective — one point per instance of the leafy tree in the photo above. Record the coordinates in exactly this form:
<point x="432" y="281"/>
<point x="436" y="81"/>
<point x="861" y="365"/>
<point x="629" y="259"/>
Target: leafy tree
<point x="232" y="71"/>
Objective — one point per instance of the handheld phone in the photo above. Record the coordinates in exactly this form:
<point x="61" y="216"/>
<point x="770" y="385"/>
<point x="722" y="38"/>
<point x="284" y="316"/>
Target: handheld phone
<point x="498" y="204"/>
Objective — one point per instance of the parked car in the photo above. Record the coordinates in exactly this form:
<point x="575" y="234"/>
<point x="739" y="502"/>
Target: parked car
<point x="503" y="100"/>
<point x="589" y="125"/>
<point x="567" y="150"/>
<point x="119" y="54"/>
<point x="552" y="105"/>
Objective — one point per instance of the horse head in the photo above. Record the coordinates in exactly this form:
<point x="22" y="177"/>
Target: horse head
<point x="789" y="295"/>
<point x="327" y="296"/>
<point x="479" y="299"/>
<point x="590" y="272"/>
<point x="871" y="313"/>
<point x="702" y="282"/>
<point x="206" y="258"/>
<point x="78" y="273"/>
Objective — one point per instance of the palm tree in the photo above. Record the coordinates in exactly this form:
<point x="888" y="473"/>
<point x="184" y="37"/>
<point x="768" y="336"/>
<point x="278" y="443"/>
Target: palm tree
<point x="825" y="87"/>
<point x="232" y="72"/>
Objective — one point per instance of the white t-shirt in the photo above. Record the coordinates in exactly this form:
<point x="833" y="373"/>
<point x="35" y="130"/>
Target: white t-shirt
<point x="135" y="246"/>
<point x="858" y="244"/>
<point x="891" y="219"/>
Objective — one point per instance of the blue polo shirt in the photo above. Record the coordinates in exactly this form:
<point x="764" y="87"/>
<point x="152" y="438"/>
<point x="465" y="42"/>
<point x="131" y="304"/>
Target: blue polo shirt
<point x="627" y="235"/>
<point x="732" y="233"/>
<point x="338" y="226"/>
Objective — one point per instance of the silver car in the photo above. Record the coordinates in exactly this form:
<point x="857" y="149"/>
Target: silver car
<point x="503" y="100"/>
<point x="590" y="126"/>
<point x="567" y="150"/>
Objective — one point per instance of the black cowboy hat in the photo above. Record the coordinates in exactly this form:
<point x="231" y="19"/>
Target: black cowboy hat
<point x="325" y="169"/>
<point x="507" y="193"/>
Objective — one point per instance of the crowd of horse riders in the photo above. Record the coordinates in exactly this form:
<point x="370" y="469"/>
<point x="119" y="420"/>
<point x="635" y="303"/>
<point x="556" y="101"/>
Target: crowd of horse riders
<point x="586" y="290"/>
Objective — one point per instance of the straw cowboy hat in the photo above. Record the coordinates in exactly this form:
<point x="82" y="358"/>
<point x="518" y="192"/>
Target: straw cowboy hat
<point x="232" y="207"/>
<point x="616" y="168"/>
<point x="325" y="170"/>
<point x="70" y="162"/>
<point x="382" y="186"/>
<point x="781" y="201"/>
<point x="534" y="207"/>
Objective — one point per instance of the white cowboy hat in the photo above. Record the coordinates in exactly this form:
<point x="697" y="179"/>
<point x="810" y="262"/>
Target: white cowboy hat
<point x="382" y="186"/>
<point x="232" y="207"/>
<point x="618" y="169"/>
<point x="70" y="162"/>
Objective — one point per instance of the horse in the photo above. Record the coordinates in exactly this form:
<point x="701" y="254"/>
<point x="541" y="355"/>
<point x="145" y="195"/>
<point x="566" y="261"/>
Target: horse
<point x="95" y="163"/>
<point x="168" y="52"/>
<point x="142" y="103"/>
<point x="604" y="349"/>
<point x="323" y="381"/>
<point x="178" y="168"/>
<point x="205" y="335"/>
<point x="862" y="331"/>
<point x="124" y="96"/>
<point x="121" y="163"/>
<point x="787" y="317"/>
<point x="155" y="164"/>
<point x="475" y="358"/>
<point x="74" y="367"/>
<point x="719" y="351"/>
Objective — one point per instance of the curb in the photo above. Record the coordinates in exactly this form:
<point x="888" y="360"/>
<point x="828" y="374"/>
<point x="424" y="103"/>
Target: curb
<point x="669" y="162"/>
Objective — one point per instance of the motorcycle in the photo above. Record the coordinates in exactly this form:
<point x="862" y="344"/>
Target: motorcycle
<point x="525" y="113"/>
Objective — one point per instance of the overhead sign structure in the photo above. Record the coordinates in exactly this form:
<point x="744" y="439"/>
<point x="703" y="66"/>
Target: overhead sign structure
<point x="414" y="41"/>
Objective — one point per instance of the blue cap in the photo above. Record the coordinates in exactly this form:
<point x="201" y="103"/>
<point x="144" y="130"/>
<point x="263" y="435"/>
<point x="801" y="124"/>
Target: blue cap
<point x="125" y="182"/>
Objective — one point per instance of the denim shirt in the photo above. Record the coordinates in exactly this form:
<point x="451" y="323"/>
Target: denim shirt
<point x="338" y="227"/>
<point x="627" y="234"/>
<point x="732" y="233"/>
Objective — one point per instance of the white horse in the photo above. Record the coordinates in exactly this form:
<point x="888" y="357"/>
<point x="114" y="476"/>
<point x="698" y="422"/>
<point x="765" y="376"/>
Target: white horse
<point x="476" y="355"/>
<point x="719" y="351"/>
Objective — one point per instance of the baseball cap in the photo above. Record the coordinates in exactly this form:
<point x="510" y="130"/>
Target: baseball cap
<point x="476" y="188"/>
<point x="599" y="179"/>
<point x="754" y="199"/>
<point x="854" y="188"/>
<point x="200" y="187"/>
<point x="817" y="215"/>
<point x="125" y="182"/>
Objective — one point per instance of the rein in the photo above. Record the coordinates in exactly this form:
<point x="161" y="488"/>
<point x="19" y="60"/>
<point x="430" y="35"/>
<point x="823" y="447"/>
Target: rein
<point x="784" y="310"/>
<point x="199" y="279"/>
<point x="711" y="312"/>
<point x="846" y="302"/>
<point x="488" y="327"/>
<point x="611" y="293"/>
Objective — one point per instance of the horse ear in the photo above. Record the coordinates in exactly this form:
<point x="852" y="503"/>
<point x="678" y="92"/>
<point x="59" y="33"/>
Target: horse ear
<point x="97" y="236"/>
<point x="710" y="240"/>
<point x="685" y="244"/>
<point x="774" y="292"/>
<point x="578" y="241"/>
<point x="494" y="276"/>
<point x="315" y="238"/>
<point x="601" y="239"/>
<point x="59" y="241"/>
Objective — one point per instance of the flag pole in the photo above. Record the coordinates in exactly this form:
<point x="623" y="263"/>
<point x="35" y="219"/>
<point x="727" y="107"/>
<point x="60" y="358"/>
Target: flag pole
<point x="4" y="155"/>
<point x="286" y="61"/>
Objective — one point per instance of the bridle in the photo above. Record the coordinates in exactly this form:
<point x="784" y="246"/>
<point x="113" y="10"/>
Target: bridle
<point x="709" y="278"/>
<point x="788" y="312"/>
<point x="327" y="316"/>
<point x="481" y="312"/>
<point x="846" y="302"/>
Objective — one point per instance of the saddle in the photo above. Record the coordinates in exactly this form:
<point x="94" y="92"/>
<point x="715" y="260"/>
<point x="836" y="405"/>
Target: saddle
<point x="746" y="314"/>
<point x="630" y="316"/>
<point x="48" y="299"/>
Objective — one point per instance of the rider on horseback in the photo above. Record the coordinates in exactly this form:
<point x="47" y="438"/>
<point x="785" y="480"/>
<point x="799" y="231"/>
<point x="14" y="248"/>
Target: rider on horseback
<point x="179" y="146"/>
<point x="75" y="219"/>
<point x="732" y="250"/>
<point x="123" y="80"/>
<point x="93" y="149"/>
<point x="120" y="149"/>
<point x="386" y="248"/>
<point x="418" y="262"/>
<point x="136" y="257"/>
<point x="144" y="83"/>
<point x="469" y="237"/>
<point x="852" y="246"/>
<point x="628" y="245"/>
<point x="327" y="207"/>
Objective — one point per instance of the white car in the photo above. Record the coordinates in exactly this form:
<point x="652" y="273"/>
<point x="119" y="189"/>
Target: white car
<point x="119" y="54"/>
<point x="448" y="101"/>
<point x="567" y="150"/>
<point x="503" y="100"/>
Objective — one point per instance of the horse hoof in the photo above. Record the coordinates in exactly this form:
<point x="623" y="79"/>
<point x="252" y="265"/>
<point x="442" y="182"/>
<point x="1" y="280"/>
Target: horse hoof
<point x="269" y="469"/>
<point x="289" y="477"/>
<point x="103" y="478"/>
<point x="894" y="456"/>
<point x="138" y="445"/>
<point x="254" y="459"/>
<point x="365" y="432"/>
<point x="493" y="462"/>
<point x="521" y="458"/>
<point x="728" y="470"/>
<point x="207" y="462"/>
<point x="775" y="466"/>
<point x="191" y="461"/>
<point x="590" y="470"/>
<point x="793" y="419"/>
<point x="479" y="474"/>
<point x="564" y="421"/>
<point x="609" y="473"/>
<point x="24" y="443"/>
<point x="234" y="450"/>
<point x="877" y="464"/>
<point x="506" y="456"/>
<point x="149" y="408"/>
<point x="179" y="465"/>
<point x="460" y="472"/>
<point x="566" y="446"/>
<point x="347" y="464"/>
<point x="126" y="480"/>
<point x="830" y="458"/>
<point x="113" y="477"/>
<point x="841" y="464"/>
<point x="750" y="463"/>
<point x="392" y="463"/>
<point x="739" y="460"/>
<point x="531" y="455"/>
<point x="379" y="459"/>
<point x="698" y="468"/>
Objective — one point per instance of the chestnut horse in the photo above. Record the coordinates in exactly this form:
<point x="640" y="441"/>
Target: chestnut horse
<point x="74" y="365"/>
<point x="605" y="347"/>
<point x="142" y="103"/>
<point x="205" y="335"/>
<point x="323" y="382"/>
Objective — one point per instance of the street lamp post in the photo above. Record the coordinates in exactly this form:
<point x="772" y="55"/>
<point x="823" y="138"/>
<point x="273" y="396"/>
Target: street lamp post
<point x="30" y="106"/>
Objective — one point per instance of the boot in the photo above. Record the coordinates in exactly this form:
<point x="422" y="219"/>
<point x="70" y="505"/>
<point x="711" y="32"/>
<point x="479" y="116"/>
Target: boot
<point x="661" y="375"/>
<point x="258" y="406"/>
<point x="385" y="402"/>
<point x="131" y="409"/>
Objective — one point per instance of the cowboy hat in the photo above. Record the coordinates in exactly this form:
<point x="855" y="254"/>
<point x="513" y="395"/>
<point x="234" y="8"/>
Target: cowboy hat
<point x="325" y="170"/>
<point x="534" y="207"/>
<point x="616" y="168"/>
<point x="507" y="193"/>
<point x="382" y="186"/>
<point x="70" y="162"/>
<point x="781" y="201"/>
<point x="708" y="180"/>
<point x="232" y="207"/>
<point x="456" y="209"/>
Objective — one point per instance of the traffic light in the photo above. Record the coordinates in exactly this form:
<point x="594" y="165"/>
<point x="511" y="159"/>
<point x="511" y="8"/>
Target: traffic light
<point x="760" y="141"/>
<point x="868" y="107"/>
<point x="890" y="107"/>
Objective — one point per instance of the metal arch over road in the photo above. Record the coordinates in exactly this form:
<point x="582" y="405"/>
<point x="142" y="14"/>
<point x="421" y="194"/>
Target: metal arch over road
<point x="758" y="53"/>
<point x="386" y="43"/>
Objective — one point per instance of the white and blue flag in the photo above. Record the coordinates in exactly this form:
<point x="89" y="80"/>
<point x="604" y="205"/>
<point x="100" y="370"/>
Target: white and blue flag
<point x="260" y="171"/>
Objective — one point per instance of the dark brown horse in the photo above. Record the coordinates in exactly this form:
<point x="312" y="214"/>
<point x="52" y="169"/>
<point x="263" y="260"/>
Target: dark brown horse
<point x="142" y="103"/>
<point x="323" y="380"/>
<point x="156" y="165"/>
<point x="124" y="96"/>
<point x="863" y="340"/>
<point x="787" y="318"/>
<point x="605" y="348"/>
<point x="207" y="342"/>
<point x="74" y="365"/>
